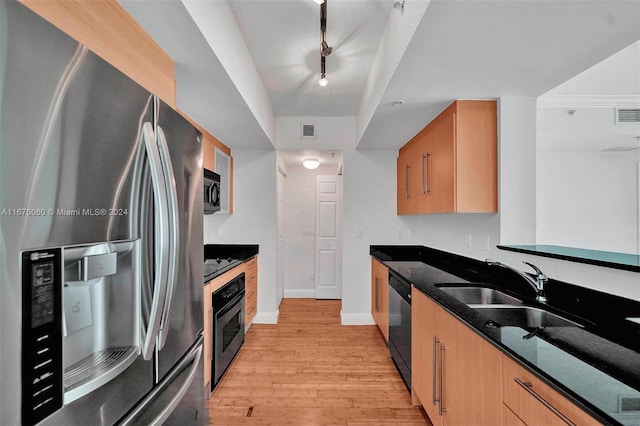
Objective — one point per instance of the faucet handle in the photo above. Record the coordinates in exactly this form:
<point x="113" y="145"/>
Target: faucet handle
<point x="539" y="273"/>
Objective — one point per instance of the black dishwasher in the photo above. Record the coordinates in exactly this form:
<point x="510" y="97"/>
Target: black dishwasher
<point x="400" y="325"/>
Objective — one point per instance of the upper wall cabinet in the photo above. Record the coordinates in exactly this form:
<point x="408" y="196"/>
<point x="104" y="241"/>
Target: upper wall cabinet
<point x="451" y="165"/>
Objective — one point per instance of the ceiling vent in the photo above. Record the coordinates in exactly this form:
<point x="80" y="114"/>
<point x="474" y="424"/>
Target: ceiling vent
<point x="308" y="131"/>
<point x="627" y="115"/>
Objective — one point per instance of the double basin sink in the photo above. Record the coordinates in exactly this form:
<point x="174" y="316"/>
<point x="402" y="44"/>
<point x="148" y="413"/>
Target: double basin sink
<point x="501" y="309"/>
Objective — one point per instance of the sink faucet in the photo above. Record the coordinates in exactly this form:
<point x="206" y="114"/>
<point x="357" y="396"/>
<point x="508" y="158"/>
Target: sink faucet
<point x="538" y="283"/>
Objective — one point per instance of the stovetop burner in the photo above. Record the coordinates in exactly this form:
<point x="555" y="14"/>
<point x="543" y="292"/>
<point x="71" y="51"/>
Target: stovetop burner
<point x="217" y="266"/>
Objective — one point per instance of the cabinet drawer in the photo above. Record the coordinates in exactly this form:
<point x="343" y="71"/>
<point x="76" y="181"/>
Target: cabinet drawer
<point x="536" y="403"/>
<point x="509" y="418"/>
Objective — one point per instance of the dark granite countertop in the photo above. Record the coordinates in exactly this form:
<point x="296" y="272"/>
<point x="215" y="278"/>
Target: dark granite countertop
<point x="241" y="252"/>
<point x="597" y="365"/>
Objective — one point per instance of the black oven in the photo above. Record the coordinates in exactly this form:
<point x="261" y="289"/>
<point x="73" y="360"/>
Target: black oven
<point x="228" y="326"/>
<point x="211" y="192"/>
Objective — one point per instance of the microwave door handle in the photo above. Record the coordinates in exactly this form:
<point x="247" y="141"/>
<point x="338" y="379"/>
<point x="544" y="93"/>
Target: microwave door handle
<point x="161" y="243"/>
<point x="174" y="234"/>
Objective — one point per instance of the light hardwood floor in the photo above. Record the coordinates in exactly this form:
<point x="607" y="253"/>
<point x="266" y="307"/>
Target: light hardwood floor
<point x="310" y="370"/>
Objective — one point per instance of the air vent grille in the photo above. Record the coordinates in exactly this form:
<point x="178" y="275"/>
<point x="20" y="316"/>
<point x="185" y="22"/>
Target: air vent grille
<point x="308" y="131"/>
<point x="627" y="115"/>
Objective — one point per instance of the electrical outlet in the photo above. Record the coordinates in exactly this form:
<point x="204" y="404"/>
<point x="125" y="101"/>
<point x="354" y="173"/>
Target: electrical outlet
<point x="313" y="276"/>
<point x="487" y="243"/>
<point x="400" y="233"/>
<point x="412" y="234"/>
<point x="216" y="232"/>
<point x="359" y="233"/>
<point x="469" y="240"/>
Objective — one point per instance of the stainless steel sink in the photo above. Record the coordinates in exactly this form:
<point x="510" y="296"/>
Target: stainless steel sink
<point x="479" y="295"/>
<point x="522" y="316"/>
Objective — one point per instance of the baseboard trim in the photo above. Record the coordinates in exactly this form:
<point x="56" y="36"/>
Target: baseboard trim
<point x="299" y="294"/>
<point x="266" y="317"/>
<point x="356" y="319"/>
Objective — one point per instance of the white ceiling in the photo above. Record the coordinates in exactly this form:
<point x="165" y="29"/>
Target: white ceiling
<point x="460" y="50"/>
<point x="283" y="38"/>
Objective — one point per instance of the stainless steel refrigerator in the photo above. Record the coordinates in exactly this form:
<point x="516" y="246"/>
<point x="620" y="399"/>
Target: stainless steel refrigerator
<point x="101" y="250"/>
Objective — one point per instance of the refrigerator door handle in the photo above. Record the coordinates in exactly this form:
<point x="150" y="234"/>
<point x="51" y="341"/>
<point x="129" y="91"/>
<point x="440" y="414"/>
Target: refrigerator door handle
<point x="161" y="240"/>
<point x="192" y="357"/>
<point x="174" y="234"/>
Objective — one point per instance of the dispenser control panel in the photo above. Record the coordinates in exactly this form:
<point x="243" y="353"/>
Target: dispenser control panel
<point x="42" y="375"/>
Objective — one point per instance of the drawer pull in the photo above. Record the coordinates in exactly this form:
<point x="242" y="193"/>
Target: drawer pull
<point x="529" y="388"/>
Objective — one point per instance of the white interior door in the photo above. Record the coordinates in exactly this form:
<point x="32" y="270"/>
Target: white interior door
<point x="280" y="253"/>
<point x="329" y="237"/>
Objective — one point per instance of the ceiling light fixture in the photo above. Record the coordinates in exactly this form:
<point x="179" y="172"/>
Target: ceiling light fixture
<point x="311" y="163"/>
<point x="323" y="79"/>
<point x="325" y="49"/>
<point x="319" y="1"/>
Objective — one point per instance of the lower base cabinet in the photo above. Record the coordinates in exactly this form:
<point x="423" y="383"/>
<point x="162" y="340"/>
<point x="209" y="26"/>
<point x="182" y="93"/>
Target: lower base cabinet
<point x="461" y="379"/>
<point x="380" y="296"/>
<point x="533" y="402"/>
<point x="455" y="373"/>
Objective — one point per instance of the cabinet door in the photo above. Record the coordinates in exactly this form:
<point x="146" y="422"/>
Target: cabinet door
<point x="383" y="296"/>
<point x="208" y="322"/>
<point x="380" y="296"/>
<point x="424" y="328"/>
<point x="208" y="148"/>
<point x="375" y="290"/>
<point x="471" y="369"/>
<point x="408" y="188"/>
<point x="440" y="164"/>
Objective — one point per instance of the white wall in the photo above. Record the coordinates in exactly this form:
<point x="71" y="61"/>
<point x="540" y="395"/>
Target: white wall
<point x="253" y="221"/>
<point x="299" y="230"/>
<point x="587" y="198"/>
<point x="369" y="205"/>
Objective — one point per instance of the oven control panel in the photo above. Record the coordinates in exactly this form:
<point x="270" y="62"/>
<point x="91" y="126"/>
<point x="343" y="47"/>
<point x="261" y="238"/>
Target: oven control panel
<point x="42" y="392"/>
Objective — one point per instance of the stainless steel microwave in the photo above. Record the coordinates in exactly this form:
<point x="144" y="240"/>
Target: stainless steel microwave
<point x="211" y="192"/>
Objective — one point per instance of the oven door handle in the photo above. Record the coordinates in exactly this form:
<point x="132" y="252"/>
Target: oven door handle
<point x="229" y="305"/>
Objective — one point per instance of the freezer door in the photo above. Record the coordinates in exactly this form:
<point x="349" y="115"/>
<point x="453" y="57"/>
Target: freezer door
<point x="183" y="320"/>
<point x="178" y="398"/>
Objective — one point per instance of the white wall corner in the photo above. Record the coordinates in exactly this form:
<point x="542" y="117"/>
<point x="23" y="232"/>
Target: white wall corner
<point x="266" y="317"/>
<point x="356" y="319"/>
<point x="292" y="293"/>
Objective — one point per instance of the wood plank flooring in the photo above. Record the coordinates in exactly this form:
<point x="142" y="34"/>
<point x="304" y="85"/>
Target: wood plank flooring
<point x="310" y="370"/>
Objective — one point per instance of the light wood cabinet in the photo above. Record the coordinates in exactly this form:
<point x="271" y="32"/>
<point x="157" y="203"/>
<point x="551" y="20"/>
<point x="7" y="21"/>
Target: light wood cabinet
<point x="451" y="165"/>
<point x="208" y="333"/>
<point x="534" y="402"/>
<point x="251" y="290"/>
<point x="455" y="373"/>
<point x="380" y="296"/>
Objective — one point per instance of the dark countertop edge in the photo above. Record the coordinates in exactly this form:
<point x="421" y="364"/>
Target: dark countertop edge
<point x="596" y="262"/>
<point x="576" y="399"/>
<point x="239" y="251"/>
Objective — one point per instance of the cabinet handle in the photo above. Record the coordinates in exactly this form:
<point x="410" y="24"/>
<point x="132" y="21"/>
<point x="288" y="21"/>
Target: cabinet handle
<point x="406" y="180"/>
<point x="442" y="348"/>
<point x="425" y="173"/>
<point x="528" y="386"/>
<point x="377" y="291"/>
<point x="433" y="369"/>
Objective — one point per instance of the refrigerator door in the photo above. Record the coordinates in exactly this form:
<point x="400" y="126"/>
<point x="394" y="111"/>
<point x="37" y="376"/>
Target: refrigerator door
<point x="183" y="319"/>
<point x="70" y="140"/>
